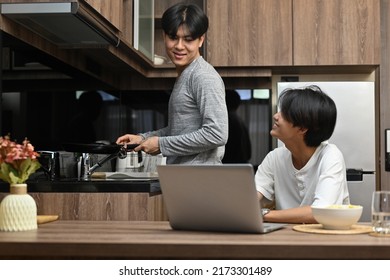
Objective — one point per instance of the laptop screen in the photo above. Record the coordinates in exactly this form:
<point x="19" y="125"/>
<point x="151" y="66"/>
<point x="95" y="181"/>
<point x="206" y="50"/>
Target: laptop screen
<point x="211" y="197"/>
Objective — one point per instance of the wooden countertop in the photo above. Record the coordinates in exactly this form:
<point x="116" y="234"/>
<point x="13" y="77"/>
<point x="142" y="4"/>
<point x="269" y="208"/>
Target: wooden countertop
<point x="156" y="240"/>
<point x="91" y="186"/>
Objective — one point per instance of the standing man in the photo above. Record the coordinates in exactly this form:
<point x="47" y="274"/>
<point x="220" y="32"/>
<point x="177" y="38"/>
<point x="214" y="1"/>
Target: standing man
<point x="197" y="128"/>
<point x="238" y="148"/>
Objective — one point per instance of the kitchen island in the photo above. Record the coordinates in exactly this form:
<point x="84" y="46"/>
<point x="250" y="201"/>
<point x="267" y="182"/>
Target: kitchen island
<point x="156" y="240"/>
<point x="97" y="200"/>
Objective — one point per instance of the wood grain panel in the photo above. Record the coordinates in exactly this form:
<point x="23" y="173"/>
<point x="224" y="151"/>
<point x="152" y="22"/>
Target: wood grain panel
<point x="384" y="89"/>
<point x="249" y="32"/>
<point x="111" y="10"/>
<point x="127" y="21"/>
<point x="156" y="240"/>
<point x="101" y="206"/>
<point x="336" y="32"/>
<point x="160" y="6"/>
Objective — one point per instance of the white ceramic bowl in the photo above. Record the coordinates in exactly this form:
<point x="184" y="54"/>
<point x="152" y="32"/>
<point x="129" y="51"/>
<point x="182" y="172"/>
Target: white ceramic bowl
<point x="159" y="60"/>
<point x="337" y="216"/>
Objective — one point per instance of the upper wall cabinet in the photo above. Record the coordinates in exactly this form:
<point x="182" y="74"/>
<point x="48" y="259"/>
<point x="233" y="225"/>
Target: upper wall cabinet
<point x="249" y="32"/>
<point x="119" y="13"/>
<point x="111" y="10"/>
<point x="293" y="32"/>
<point x="144" y="27"/>
<point x="336" y="32"/>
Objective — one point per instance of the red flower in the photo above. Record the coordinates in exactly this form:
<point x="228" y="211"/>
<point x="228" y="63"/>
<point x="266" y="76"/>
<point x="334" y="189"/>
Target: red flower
<point x="17" y="161"/>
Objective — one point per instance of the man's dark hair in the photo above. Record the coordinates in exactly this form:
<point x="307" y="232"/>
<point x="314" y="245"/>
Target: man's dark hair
<point x="312" y="109"/>
<point x="233" y="100"/>
<point x="190" y="15"/>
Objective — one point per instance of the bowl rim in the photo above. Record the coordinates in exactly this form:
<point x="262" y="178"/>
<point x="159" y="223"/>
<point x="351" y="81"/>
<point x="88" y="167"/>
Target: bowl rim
<point x="327" y="207"/>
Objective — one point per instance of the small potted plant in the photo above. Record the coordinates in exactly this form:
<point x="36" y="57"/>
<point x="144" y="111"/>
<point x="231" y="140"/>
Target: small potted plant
<point x="18" y="210"/>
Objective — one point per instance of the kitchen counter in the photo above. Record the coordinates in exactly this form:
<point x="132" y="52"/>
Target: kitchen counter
<point x="91" y="186"/>
<point x="97" y="199"/>
<point x="156" y="240"/>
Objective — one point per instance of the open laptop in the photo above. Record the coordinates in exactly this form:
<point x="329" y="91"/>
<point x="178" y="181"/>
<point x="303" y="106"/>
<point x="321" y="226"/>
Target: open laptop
<point x="212" y="198"/>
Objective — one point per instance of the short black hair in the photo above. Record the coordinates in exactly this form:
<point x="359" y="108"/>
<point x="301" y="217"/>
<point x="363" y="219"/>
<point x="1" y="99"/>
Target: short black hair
<point x="312" y="109"/>
<point x="233" y="100"/>
<point x="190" y="15"/>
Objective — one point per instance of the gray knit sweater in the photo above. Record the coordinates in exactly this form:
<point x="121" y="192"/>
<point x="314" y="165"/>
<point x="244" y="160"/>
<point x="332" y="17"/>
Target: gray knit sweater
<point x="197" y="128"/>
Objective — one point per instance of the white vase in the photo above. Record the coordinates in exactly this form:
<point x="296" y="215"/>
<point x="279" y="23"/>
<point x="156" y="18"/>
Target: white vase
<point x="18" y="210"/>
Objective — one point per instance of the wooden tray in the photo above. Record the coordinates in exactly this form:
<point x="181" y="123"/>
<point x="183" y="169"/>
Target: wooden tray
<point x="318" y="228"/>
<point x="43" y="219"/>
<point x="380" y="235"/>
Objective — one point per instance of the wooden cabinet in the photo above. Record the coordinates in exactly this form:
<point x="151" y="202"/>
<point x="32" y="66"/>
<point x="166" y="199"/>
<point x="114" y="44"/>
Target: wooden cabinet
<point x="119" y="13"/>
<point x="336" y="32"/>
<point x="246" y="38"/>
<point x="96" y="206"/>
<point x="111" y="10"/>
<point x="293" y="32"/>
<point x="101" y="206"/>
<point x="249" y="32"/>
<point x="275" y="32"/>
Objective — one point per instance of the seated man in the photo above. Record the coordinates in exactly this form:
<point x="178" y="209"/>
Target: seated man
<point x="307" y="170"/>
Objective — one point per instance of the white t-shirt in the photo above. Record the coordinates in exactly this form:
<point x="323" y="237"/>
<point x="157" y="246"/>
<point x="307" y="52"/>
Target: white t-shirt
<point x="322" y="181"/>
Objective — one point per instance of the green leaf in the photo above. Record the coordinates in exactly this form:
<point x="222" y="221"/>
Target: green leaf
<point x="13" y="176"/>
<point x="6" y="171"/>
<point x="28" y="167"/>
